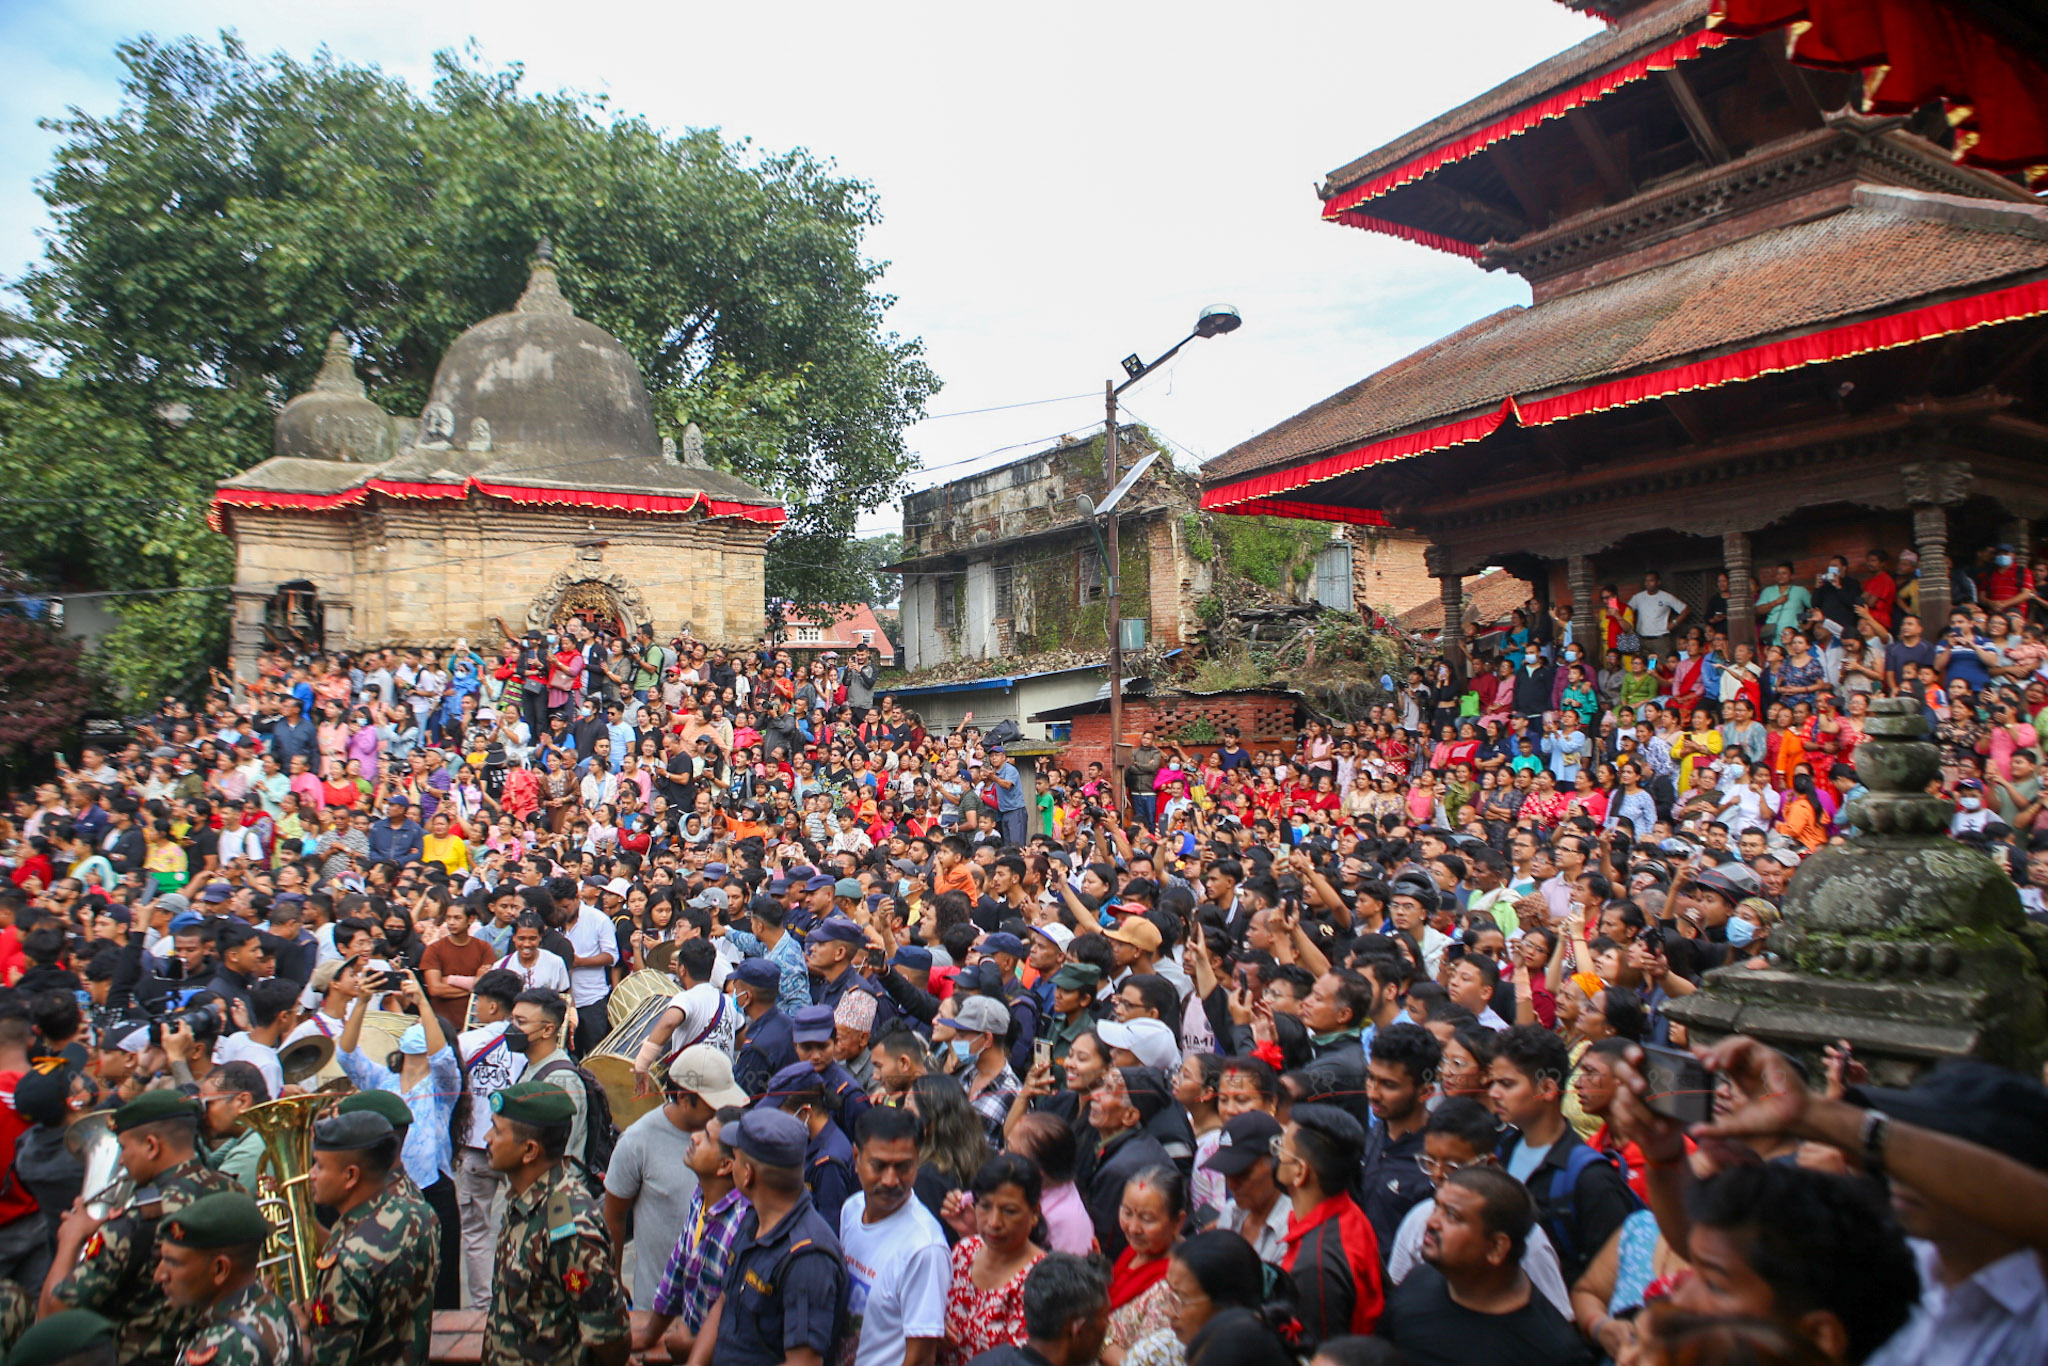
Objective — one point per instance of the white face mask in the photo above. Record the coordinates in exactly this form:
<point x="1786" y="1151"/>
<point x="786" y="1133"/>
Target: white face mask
<point x="1972" y="803"/>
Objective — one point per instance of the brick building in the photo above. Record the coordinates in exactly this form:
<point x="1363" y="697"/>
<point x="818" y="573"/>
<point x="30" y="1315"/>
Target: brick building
<point x="1000" y="565"/>
<point x="534" y="487"/>
<point x="1266" y="718"/>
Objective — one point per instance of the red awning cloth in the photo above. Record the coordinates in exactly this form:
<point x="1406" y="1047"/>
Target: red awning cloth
<point x="1262" y="493"/>
<point x="1913" y="51"/>
<point x="1834" y="343"/>
<point x="1266" y="488"/>
<point x="1338" y="208"/>
<point x="517" y="493"/>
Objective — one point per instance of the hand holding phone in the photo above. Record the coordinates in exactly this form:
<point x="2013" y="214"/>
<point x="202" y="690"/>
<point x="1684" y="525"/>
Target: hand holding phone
<point x="1680" y="1086"/>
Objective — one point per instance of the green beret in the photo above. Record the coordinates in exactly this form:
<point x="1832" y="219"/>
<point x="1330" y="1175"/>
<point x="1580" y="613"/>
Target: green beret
<point x="385" y="1103"/>
<point x="63" y="1334"/>
<point x="224" y="1219"/>
<point x="355" y="1133"/>
<point x="1078" y="977"/>
<point x="151" y="1106"/>
<point x="535" y="1103"/>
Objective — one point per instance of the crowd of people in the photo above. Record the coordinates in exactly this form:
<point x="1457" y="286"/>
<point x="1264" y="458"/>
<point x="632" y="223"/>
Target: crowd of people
<point x="1342" y="1051"/>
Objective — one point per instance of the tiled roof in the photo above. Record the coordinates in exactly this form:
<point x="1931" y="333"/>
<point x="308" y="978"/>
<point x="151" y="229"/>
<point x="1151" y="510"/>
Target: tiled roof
<point x="1890" y="247"/>
<point x="1610" y="47"/>
<point x="1489" y="598"/>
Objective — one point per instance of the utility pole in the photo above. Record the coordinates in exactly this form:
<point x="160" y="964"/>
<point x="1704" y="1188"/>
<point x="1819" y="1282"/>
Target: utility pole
<point x="1112" y="588"/>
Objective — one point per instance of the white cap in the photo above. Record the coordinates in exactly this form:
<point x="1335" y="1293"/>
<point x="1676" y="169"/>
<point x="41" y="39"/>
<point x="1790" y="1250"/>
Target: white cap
<point x="1060" y="935"/>
<point x="1151" y="1040"/>
<point x="618" y="886"/>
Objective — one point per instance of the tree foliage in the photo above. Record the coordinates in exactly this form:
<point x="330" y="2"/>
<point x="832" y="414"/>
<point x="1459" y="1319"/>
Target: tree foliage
<point x="43" y="695"/>
<point x="211" y="231"/>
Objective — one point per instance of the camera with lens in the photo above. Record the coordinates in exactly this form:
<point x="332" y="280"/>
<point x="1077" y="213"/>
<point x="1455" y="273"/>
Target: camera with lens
<point x="207" y="1019"/>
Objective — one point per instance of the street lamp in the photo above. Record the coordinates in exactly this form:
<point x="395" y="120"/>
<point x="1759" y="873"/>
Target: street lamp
<point x="1216" y="320"/>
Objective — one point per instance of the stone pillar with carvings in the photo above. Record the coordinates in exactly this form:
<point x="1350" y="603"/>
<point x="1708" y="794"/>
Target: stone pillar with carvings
<point x="1931" y="489"/>
<point x="1451" y="592"/>
<point x="1741" y="588"/>
<point x="1908" y="944"/>
<point x="1585" y="607"/>
<point x="246" y="639"/>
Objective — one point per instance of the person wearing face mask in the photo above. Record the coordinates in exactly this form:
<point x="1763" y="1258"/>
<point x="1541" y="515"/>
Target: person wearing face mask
<point x="1971" y="814"/>
<point x="1535" y="684"/>
<point x="974" y="1034"/>
<point x="2008" y="585"/>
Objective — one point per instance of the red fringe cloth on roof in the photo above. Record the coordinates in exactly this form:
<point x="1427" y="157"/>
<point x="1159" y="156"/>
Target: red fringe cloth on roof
<point x="1522" y="120"/>
<point x="1259" y="493"/>
<point x="1351" y="218"/>
<point x="516" y="493"/>
<point x="1914" y="51"/>
<point x="1835" y="343"/>
<point x="1265" y="487"/>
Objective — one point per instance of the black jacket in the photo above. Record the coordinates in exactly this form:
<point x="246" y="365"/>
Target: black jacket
<point x="1581" y="1223"/>
<point x="1337" y="1075"/>
<point x="1127" y="1154"/>
<point x="1391" y="1182"/>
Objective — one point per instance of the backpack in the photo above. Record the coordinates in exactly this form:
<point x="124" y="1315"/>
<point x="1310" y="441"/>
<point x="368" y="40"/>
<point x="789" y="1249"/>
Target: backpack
<point x="599" y="1134"/>
<point x="1564" y="1203"/>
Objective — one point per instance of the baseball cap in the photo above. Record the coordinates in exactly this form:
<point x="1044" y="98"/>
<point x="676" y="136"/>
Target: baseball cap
<point x="704" y="1069"/>
<point x="1147" y="1089"/>
<point x="1003" y="943"/>
<point x="1244" y="1140"/>
<point x="846" y="886"/>
<point x="618" y="886"/>
<point x="216" y="892"/>
<point x="1062" y="938"/>
<point x="710" y="899"/>
<point x="1148" y="1040"/>
<point x="979" y="1015"/>
<point x="714" y="871"/>
<point x="1138" y="932"/>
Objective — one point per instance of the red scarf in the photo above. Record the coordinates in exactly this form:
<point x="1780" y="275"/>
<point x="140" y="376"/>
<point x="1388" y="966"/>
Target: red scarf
<point x="1127" y="1282"/>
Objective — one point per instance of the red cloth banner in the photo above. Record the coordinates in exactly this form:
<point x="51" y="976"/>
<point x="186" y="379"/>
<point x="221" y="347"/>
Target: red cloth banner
<point x="1834" y="343"/>
<point x="1913" y="51"/>
<point x="1521" y="121"/>
<point x="1351" y="218"/>
<point x="1268" y="486"/>
<point x="516" y="493"/>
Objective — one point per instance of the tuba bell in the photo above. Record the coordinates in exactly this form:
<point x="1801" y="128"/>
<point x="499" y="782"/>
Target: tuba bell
<point x="107" y="1187"/>
<point x="284" y="1191"/>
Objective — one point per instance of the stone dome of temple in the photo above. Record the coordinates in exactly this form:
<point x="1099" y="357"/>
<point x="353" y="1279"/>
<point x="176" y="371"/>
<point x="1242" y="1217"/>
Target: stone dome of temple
<point x="335" y="419"/>
<point x="542" y="389"/>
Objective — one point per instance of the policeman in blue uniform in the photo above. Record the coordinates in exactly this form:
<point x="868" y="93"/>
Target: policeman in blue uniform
<point x="812" y="1032"/>
<point x="833" y="952"/>
<point x="764" y="1044"/>
<point x="828" y="1154"/>
<point x="809" y="913"/>
<point x="785" y="1283"/>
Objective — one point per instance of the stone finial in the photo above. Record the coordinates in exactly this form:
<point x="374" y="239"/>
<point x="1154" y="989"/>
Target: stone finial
<point x="338" y="371"/>
<point x="479" y="436"/>
<point x="693" y="448"/>
<point x="668" y="451"/>
<point x="543" y="291"/>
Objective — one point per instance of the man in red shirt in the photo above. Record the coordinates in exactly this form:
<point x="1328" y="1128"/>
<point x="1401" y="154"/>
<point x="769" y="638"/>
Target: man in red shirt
<point x="1880" y="589"/>
<point x="1331" y="1250"/>
<point x="24" y="1235"/>
<point x="2008" y="585"/>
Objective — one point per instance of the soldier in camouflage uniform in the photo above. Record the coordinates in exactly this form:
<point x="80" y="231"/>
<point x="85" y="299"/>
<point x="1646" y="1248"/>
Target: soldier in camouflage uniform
<point x="208" y="1253"/>
<point x="392" y="1106"/>
<point x="17" y="1312"/>
<point x="557" y="1299"/>
<point x="105" y="1266"/>
<point x="373" y="1300"/>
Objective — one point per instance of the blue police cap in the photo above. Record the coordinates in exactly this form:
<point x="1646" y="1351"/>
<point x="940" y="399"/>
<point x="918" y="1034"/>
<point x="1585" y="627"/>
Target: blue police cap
<point x="813" y="1024"/>
<point x="838" y="929"/>
<point x="714" y="871"/>
<point x="773" y="1138"/>
<point x="759" y="973"/>
<point x="913" y="957"/>
<point x="821" y="882"/>
<point x="797" y="1079"/>
<point x="1003" y="943"/>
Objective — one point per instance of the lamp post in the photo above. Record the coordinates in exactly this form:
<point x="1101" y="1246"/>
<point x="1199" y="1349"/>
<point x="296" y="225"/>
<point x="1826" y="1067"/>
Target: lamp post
<point x="1215" y="321"/>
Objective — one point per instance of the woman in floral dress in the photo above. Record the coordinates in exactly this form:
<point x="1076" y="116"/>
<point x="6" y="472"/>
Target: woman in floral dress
<point x="985" y="1299"/>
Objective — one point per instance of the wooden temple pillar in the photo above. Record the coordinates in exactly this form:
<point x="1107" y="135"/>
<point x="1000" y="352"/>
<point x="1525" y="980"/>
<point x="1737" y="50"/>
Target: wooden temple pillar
<point x="1930" y="490"/>
<point x="2020" y="532"/>
<point x="1735" y="558"/>
<point x="1451" y="592"/>
<point x="1585" y="607"/>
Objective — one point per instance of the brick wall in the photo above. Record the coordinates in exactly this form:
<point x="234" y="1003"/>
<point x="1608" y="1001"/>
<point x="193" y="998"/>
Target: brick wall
<point x="1263" y="719"/>
<point x="1387" y="571"/>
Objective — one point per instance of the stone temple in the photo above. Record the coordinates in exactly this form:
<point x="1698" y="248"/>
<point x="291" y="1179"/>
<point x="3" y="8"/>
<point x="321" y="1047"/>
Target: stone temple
<point x="533" y="487"/>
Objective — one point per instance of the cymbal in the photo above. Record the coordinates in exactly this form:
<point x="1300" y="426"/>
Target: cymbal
<point x="305" y="1058"/>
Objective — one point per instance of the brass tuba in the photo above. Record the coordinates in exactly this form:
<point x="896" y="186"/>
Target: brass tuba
<point x="284" y="1191"/>
<point x="107" y="1187"/>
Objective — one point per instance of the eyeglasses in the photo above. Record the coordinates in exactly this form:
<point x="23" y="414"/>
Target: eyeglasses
<point x="1439" y="1171"/>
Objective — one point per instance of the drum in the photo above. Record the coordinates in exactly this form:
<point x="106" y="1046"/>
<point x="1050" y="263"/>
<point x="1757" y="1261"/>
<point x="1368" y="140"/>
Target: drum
<point x="611" y="1062"/>
<point x="639" y="986"/>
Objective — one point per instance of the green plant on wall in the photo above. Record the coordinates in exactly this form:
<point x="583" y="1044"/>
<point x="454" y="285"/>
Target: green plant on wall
<point x="1201" y="545"/>
<point x="1199" y="731"/>
<point x="1269" y="550"/>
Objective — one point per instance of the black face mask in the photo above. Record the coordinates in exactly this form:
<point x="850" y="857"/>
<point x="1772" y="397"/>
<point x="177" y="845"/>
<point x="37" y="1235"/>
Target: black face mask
<point x="516" y="1040"/>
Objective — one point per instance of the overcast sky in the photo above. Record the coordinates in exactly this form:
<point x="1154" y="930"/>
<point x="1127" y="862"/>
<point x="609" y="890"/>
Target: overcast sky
<point x="1062" y="185"/>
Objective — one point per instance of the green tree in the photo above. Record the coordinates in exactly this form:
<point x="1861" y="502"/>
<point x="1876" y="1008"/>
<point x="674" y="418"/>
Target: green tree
<point x="211" y="231"/>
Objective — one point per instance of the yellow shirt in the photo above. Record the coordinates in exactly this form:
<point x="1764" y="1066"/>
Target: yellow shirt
<point x="447" y="850"/>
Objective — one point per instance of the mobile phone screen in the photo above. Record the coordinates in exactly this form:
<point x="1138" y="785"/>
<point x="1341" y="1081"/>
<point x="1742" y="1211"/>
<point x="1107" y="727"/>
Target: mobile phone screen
<point x="1681" y="1088"/>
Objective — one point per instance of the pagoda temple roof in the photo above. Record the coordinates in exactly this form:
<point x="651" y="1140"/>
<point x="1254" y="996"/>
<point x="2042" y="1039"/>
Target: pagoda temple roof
<point x="1894" y="267"/>
<point x="1611" y="47"/>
